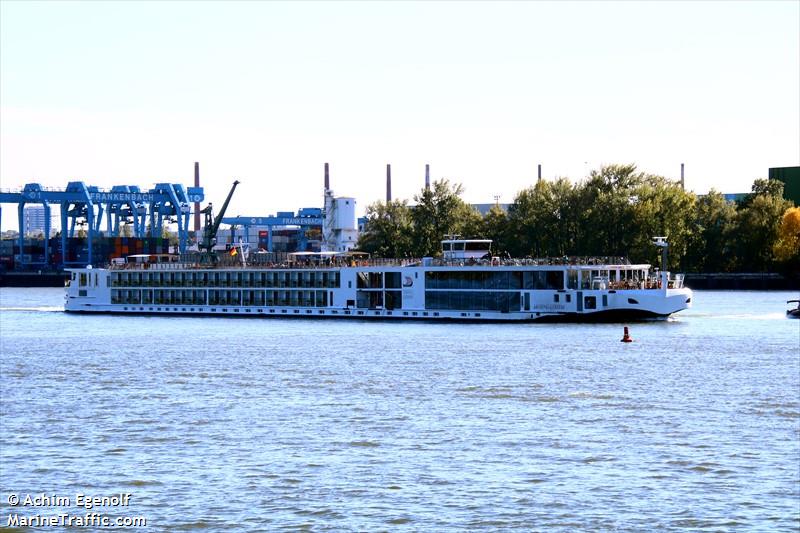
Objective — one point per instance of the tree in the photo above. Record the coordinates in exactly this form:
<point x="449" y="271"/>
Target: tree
<point x="495" y="226"/>
<point x="787" y="245"/>
<point x="710" y="248"/>
<point x="441" y="211"/>
<point x="542" y="221"/>
<point x="763" y="187"/>
<point x="757" y="222"/>
<point x="388" y="232"/>
<point x="660" y="207"/>
<point x="606" y="211"/>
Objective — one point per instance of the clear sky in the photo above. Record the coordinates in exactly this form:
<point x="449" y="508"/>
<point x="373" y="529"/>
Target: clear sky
<point x="266" y="92"/>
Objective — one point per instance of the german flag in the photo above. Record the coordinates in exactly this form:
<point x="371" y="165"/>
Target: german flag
<point x="233" y="252"/>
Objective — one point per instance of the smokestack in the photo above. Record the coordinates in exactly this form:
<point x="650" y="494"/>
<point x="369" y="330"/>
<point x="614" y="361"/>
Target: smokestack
<point x="196" y="204"/>
<point x="540" y="172"/>
<point x="327" y="179"/>
<point x="388" y="183"/>
<point x="427" y="177"/>
<point x="683" y="183"/>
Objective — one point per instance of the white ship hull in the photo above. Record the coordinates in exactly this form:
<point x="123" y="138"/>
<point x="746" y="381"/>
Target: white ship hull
<point x="463" y="293"/>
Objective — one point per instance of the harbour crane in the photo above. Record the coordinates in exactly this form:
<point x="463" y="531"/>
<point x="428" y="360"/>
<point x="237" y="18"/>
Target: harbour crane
<point x="211" y="227"/>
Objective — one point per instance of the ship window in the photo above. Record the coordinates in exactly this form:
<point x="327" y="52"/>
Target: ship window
<point x="605" y="300"/>
<point x="633" y="301"/>
<point x="543" y="279"/>
<point x="473" y="300"/>
<point x="569" y="298"/>
<point x="81" y="293"/>
<point x="590" y="302"/>
<point x="392" y="280"/>
<point x="555" y="298"/>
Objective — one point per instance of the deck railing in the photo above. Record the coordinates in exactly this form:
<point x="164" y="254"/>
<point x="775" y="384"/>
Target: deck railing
<point x="231" y="263"/>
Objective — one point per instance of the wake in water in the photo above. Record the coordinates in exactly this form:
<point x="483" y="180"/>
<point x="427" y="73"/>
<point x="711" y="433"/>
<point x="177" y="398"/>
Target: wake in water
<point x="740" y="316"/>
<point x="34" y="309"/>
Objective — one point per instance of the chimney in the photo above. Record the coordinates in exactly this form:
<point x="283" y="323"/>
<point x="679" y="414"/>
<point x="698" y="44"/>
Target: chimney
<point x="683" y="183"/>
<point x="540" y="172"/>
<point x="196" y="204"/>
<point x="388" y="183"/>
<point x="327" y="179"/>
<point x="427" y="177"/>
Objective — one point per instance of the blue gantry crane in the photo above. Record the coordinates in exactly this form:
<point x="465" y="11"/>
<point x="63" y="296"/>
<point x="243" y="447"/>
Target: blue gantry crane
<point x="83" y="204"/>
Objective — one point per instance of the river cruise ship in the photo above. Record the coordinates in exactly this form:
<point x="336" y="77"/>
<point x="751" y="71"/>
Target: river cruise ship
<point x="466" y="284"/>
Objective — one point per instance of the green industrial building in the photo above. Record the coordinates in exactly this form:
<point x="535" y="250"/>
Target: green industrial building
<point x="790" y="176"/>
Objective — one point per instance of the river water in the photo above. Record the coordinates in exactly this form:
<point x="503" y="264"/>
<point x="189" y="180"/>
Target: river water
<point x="266" y="424"/>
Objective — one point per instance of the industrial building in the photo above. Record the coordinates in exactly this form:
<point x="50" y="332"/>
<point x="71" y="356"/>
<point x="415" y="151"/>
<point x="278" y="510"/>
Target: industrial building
<point x="34" y="223"/>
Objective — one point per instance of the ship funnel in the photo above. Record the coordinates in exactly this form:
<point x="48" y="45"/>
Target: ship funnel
<point x="327" y="178"/>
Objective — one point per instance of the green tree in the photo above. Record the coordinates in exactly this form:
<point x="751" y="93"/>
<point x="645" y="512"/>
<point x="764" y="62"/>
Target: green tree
<point x="542" y="220"/>
<point x="388" y="231"/>
<point x="606" y="212"/>
<point x="495" y="226"/>
<point x="710" y="247"/>
<point x="441" y="211"/>
<point x="758" y="219"/>
<point x="762" y="187"/>
<point x="660" y="207"/>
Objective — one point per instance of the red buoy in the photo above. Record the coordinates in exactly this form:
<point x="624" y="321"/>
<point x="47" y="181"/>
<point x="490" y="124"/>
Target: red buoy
<point x="626" y="336"/>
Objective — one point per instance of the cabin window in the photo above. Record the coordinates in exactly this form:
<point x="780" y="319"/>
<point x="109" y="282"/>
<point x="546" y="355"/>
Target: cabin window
<point x="369" y="299"/>
<point x="555" y="298"/>
<point x="393" y="300"/>
<point x="473" y="300"/>
<point x="569" y="298"/>
<point x="473" y="280"/>
<point x="392" y="280"/>
<point x="633" y="301"/>
<point x="590" y="302"/>
<point x="543" y="279"/>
